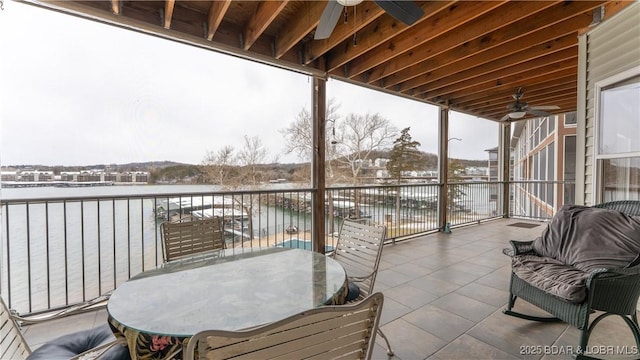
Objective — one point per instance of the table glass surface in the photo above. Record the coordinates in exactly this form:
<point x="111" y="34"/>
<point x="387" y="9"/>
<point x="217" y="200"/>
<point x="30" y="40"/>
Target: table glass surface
<point x="231" y="289"/>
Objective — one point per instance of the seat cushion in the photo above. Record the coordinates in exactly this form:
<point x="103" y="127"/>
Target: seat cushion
<point x="354" y="292"/>
<point x="588" y="238"/>
<point x="552" y="276"/>
<point x="67" y="346"/>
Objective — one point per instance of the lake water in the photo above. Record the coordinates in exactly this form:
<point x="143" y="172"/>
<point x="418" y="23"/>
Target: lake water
<point x="74" y="250"/>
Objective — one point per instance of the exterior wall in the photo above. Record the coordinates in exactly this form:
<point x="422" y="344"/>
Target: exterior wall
<point x="609" y="49"/>
<point x="536" y="139"/>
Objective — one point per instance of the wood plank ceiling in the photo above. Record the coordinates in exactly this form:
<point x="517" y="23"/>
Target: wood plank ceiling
<point x="469" y="55"/>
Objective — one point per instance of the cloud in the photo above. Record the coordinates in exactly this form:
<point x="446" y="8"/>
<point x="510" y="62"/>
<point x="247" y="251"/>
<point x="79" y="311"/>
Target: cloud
<point x="87" y="93"/>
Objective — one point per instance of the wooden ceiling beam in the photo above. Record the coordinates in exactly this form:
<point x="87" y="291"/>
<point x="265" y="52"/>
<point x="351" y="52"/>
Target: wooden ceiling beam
<point x="527" y="32"/>
<point x="260" y="20"/>
<point x="304" y="21"/>
<point x="564" y="106"/>
<point x="559" y="84"/>
<point x="216" y="13"/>
<point x="365" y="13"/>
<point x="547" y="99"/>
<point x="513" y="81"/>
<point x="378" y="32"/>
<point x="168" y="13"/>
<point x="403" y="43"/>
<point x="546" y="73"/>
<point x="528" y="66"/>
<point x="561" y="103"/>
<point x="480" y="65"/>
<point x="400" y="68"/>
<point x="559" y="99"/>
<point x="116" y="7"/>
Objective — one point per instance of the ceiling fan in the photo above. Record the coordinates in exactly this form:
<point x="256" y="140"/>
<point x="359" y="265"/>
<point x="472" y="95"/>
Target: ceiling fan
<point x="406" y="11"/>
<point x="518" y="109"/>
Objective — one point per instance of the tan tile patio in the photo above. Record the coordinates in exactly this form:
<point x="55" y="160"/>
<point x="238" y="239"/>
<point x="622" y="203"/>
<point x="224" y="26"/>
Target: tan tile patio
<point x="444" y="295"/>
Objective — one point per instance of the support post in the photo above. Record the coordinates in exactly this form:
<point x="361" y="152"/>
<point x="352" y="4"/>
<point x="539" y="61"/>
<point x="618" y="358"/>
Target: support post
<point x="318" y="103"/>
<point x="443" y="166"/>
<point x="504" y="167"/>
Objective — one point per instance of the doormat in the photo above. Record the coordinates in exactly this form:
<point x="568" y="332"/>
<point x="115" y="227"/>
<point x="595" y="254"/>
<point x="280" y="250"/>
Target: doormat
<point x="524" y="225"/>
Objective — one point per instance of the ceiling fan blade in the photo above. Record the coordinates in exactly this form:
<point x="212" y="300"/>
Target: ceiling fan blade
<point x="505" y="118"/>
<point x="538" y="112"/>
<point x="328" y="20"/>
<point x="545" y="107"/>
<point x="406" y="11"/>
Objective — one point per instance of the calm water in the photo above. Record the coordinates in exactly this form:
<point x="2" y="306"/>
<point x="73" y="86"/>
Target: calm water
<point x="73" y="250"/>
<point x="60" y="192"/>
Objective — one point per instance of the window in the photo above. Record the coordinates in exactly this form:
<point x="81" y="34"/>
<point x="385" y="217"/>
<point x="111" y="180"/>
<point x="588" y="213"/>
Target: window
<point x="543" y="175"/>
<point x="543" y="129"/>
<point x="570" y="118"/>
<point x="569" y="175"/>
<point x="618" y="138"/>
<point x="551" y="173"/>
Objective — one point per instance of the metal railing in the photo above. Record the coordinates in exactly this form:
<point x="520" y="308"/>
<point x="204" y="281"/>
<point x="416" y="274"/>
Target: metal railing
<point x="58" y="252"/>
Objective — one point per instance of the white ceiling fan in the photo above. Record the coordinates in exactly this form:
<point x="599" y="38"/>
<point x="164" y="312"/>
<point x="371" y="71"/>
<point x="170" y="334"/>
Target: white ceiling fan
<point x="518" y="109"/>
<point x="403" y="10"/>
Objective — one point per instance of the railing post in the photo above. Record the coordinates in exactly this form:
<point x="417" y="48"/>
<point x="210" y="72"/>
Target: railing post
<point x="318" y="101"/>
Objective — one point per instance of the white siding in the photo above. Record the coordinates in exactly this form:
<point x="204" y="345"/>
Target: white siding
<point x="611" y="48"/>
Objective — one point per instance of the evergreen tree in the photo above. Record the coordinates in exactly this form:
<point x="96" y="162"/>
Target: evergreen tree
<point x="404" y="156"/>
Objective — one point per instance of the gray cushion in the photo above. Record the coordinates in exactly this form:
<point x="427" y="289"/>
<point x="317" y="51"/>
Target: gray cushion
<point x="551" y="276"/>
<point x="67" y="346"/>
<point x="589" y="238"/>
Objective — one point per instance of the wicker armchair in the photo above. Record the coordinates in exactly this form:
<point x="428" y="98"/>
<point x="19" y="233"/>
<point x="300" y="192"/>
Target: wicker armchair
<point x="612" y="290"/>
<point x="188" y="238"/>
<point x="358" y="250"/>
<point x="329" y="332"/>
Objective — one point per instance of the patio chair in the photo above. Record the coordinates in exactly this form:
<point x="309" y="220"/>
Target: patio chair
<point x="358" y="250"/>
<point x="328" y="332"/>
<point x="96" y="343"/>
<point x="188" y="238"/>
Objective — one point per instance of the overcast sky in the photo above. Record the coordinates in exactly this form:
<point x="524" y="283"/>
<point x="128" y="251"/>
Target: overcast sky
<point x="76" y="92"/>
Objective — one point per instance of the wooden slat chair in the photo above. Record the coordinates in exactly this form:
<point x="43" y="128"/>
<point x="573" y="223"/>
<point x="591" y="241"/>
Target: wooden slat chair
<point x="328" y="332"/>
<point x="14" y="346"/>
<point x="188" y="238"/>
<point x="359" y="250"/>
<point x="12" y="343"/>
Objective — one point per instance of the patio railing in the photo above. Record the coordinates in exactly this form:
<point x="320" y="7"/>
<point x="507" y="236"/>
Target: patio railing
<point x="57" y="252"/>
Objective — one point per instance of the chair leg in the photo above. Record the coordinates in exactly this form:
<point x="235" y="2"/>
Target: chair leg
<point x="511" y="303"/>
<point x="389" y="351"/>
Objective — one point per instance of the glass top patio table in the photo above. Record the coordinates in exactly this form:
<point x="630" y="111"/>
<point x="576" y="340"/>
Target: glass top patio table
<point x="232" y="289"/>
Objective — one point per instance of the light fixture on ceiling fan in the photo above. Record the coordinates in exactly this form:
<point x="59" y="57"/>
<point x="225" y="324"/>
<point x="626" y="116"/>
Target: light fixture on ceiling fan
<point x="402" y="10"/>
<point x="349" y="2"/>
<point x="519" y="109"/>
<point x="517" y="114"/>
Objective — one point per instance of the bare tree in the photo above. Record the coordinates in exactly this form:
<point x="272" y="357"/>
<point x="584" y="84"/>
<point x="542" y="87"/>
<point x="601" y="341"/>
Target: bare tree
<point x="252" y="154"/>
<point x="218" y="166"/>
<point x="358" y="136"/>
<point x="299" y="135"/>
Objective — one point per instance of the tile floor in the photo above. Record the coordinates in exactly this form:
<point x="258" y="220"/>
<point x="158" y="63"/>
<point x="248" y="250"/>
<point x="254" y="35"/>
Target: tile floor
<point x="444" y="295"/>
